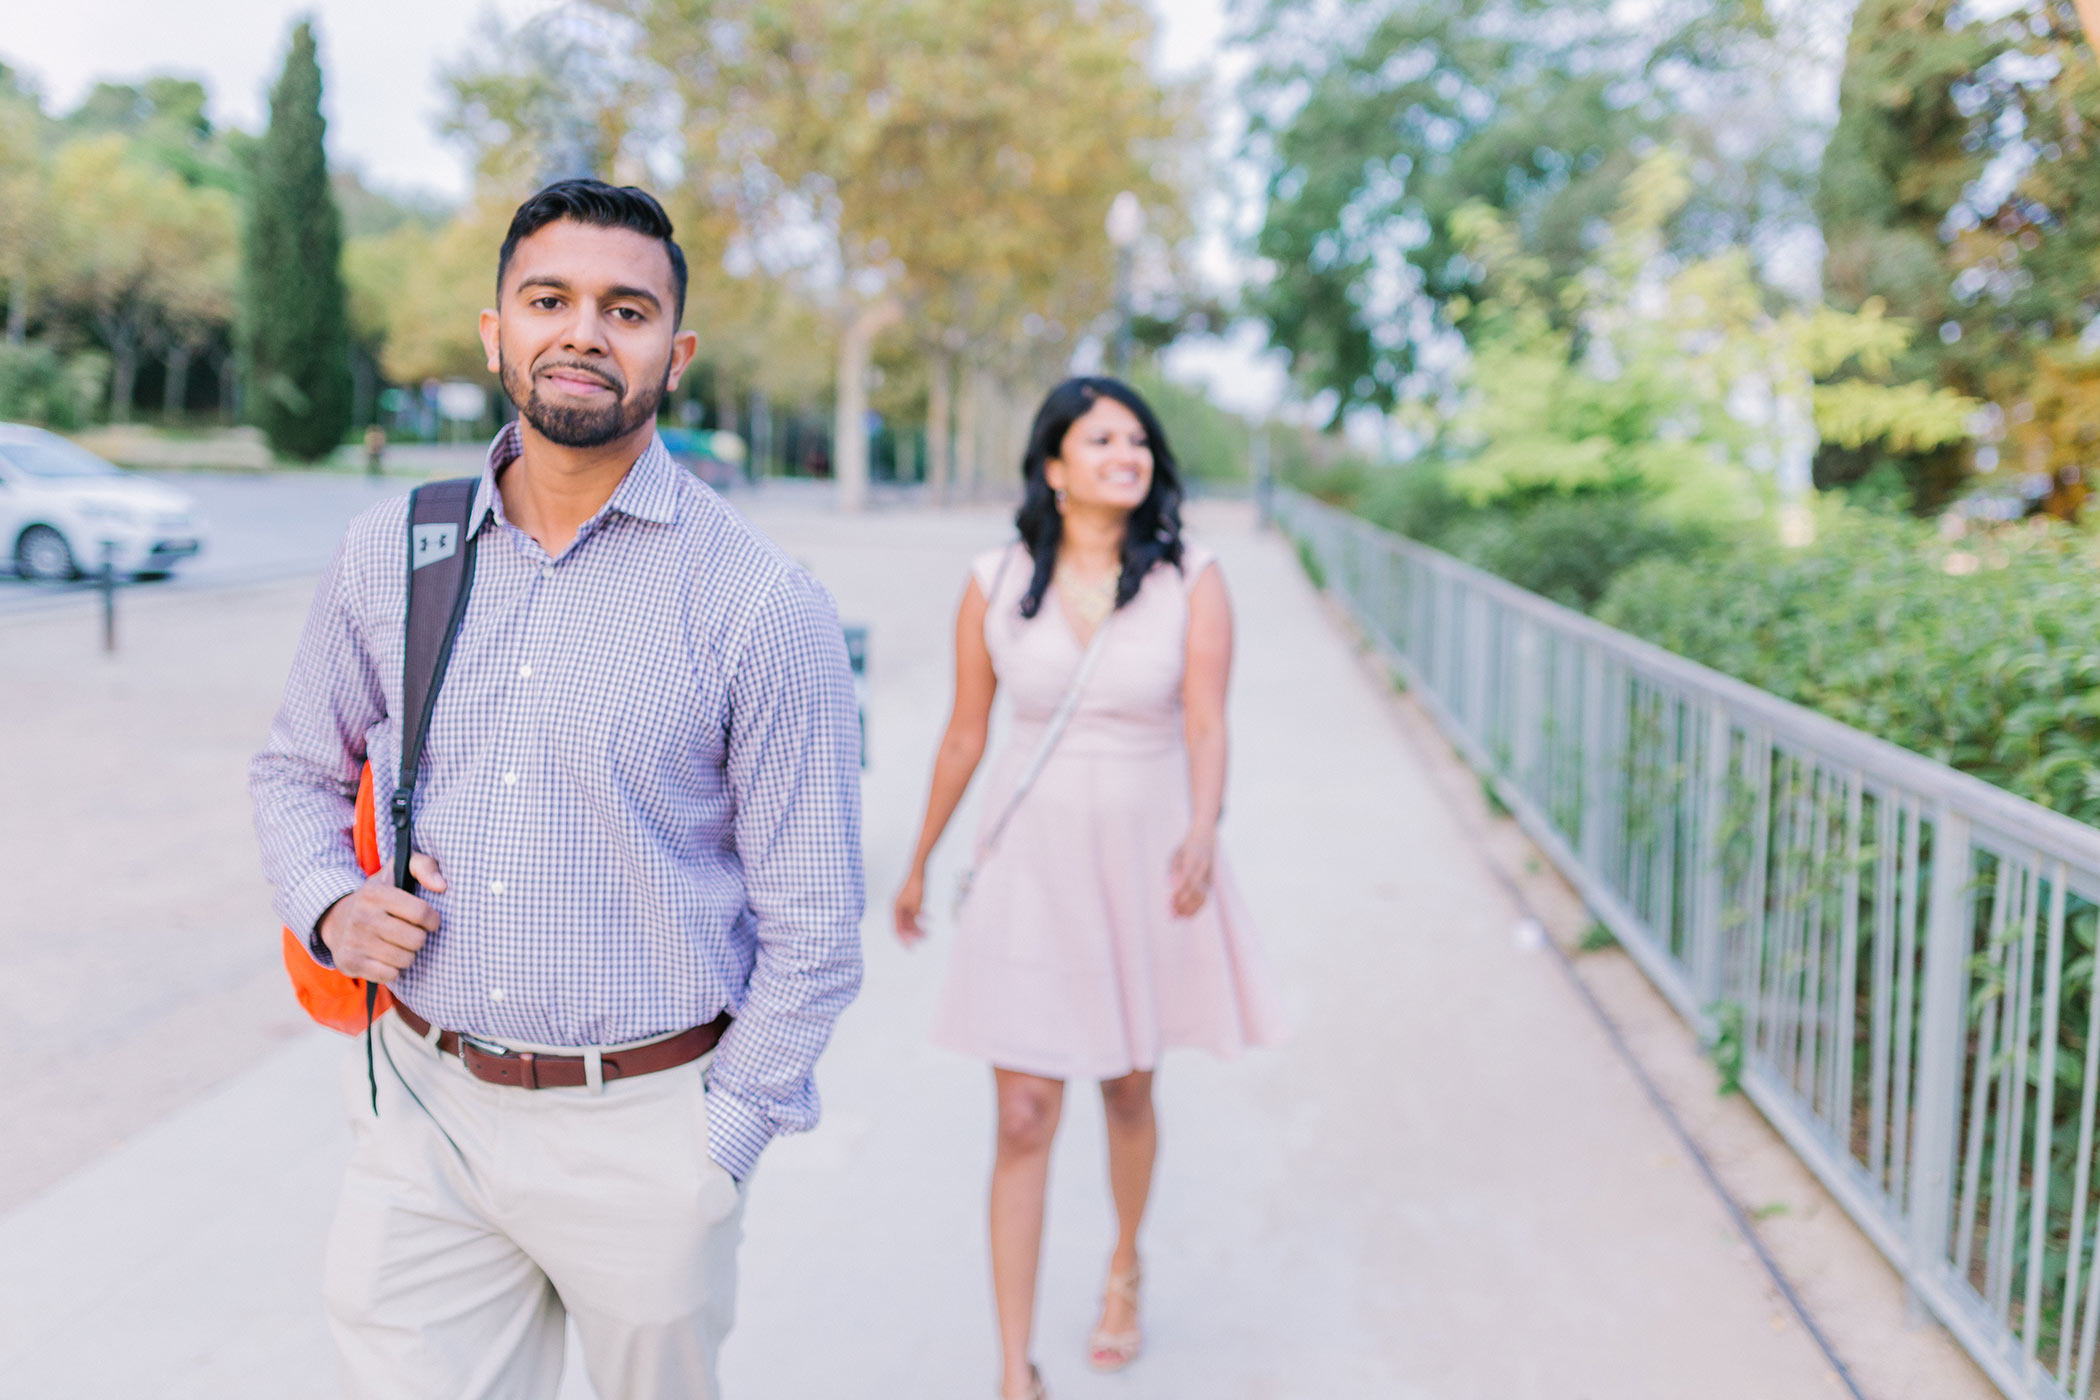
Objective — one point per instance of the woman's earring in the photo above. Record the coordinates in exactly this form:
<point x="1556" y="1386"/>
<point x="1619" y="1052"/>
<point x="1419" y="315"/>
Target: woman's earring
<point x="1059" y="493"/>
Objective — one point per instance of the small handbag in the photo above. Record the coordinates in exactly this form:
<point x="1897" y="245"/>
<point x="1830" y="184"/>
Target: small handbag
<point x="1052" y="732"/>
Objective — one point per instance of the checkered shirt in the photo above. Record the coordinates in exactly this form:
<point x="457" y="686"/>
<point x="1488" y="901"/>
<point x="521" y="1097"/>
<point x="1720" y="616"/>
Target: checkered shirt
<point x="641" y="783"/>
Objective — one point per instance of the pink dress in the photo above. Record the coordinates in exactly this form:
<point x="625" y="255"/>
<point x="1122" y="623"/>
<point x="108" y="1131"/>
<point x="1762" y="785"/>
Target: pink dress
<point x="1069" y="960"/>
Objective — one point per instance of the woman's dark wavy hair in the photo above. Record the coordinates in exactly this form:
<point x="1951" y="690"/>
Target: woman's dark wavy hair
<point x="1153" y="534"/>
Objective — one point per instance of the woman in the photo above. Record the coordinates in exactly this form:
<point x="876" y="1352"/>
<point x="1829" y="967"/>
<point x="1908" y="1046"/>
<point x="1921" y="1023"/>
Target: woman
<point x="1099" y="927"/>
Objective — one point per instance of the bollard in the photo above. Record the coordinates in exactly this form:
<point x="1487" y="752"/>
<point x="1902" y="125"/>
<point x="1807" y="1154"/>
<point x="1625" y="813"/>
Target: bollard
<point x="857" y="658"/>
<point x="107" y="582"/>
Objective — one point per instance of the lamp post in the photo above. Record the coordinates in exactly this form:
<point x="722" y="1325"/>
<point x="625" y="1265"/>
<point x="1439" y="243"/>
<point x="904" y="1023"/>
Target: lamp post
<point x="1126" y="225"/>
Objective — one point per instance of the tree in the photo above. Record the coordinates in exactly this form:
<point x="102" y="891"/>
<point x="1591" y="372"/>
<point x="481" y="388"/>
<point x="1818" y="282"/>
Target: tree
<point x="1376" y="121"/>
<point x="1959" y="188"/>
<point x="1672" y="379"/>
<point x="295" y="323"/>
<point x="147" y="259"/>
<point x="26" y="218"/>
<point x="946" y="162"/>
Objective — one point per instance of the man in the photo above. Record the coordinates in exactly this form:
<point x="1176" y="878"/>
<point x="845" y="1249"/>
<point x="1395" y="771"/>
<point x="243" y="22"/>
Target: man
<point x="638" y="820"/>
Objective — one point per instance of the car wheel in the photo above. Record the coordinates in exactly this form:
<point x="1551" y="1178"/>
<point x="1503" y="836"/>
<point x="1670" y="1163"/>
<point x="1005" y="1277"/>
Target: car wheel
<point x="42" y="553"/>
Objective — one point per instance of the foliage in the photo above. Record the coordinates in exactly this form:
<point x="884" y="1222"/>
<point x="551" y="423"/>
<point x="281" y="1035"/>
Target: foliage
<point x="296" y="320"/>
<point x="39" y="385"/>
<point x="1983" y="654"/>
<point x="416" y="294"/>
<point x="1210" y="444"/>
<point x="1630" y="376"/>
<point x="145" y="258"/>
<point x="1571" y="547"/>
<point x="1377" y="122"/>
<point x="1959" y="188"/>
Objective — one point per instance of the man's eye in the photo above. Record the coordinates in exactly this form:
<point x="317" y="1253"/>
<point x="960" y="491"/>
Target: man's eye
<point x="627" y="313"/>
<point x="546" y="303"/>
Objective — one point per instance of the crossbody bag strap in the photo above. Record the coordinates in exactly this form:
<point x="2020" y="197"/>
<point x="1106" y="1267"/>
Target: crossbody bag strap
<point x="1052" y="732"/>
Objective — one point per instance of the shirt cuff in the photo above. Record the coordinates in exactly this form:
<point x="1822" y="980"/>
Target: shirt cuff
<point x="312" y="898"/>
<point x="737" y="1132"/>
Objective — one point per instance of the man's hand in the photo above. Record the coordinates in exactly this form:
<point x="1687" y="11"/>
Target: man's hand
<point x="376" y="932"/>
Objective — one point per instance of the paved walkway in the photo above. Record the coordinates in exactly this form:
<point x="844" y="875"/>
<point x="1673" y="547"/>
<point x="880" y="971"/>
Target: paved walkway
<point x="1444" y="1186"/>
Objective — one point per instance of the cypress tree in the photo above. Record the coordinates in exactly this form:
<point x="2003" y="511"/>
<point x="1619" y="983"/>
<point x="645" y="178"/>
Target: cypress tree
<point x="295" y="314"/>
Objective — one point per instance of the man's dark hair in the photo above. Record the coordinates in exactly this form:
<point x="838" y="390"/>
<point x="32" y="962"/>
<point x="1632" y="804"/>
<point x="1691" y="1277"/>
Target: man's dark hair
<point x="600" y="205"/>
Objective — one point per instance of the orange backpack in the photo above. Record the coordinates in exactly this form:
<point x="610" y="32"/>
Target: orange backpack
<point x="440" y="571"/>
<point x="336" y="1001"/>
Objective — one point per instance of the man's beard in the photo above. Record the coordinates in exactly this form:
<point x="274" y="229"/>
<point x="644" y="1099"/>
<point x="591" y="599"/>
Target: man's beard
<point x="576" y="425"/>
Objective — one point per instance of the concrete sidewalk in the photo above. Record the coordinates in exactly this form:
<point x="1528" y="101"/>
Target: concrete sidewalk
<point x="1446" y="1185"/>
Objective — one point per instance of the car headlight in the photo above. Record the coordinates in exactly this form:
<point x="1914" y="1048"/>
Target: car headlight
<point x="103" y="510"/>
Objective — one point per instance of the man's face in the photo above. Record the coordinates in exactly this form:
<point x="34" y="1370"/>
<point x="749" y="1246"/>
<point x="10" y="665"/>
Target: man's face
<point x="584" y="337"/>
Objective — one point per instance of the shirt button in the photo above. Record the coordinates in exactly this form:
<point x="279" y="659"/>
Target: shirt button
<point x="495" y="887"/>
<point x="546" y="571"/>
<point x="495" y="994"/>
<point x="510" y="780"/>
<point x="525" y="672"/>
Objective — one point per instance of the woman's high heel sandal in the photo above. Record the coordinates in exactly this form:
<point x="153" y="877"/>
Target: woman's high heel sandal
<point x="1035" y="1389"/>
<point x="1112" y="1351"/>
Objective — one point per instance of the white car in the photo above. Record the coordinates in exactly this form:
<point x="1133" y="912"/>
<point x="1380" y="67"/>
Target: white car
<point x="63" y="511"/>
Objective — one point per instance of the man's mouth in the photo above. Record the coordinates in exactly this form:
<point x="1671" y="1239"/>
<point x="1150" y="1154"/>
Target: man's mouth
<point x="577" y="382"/>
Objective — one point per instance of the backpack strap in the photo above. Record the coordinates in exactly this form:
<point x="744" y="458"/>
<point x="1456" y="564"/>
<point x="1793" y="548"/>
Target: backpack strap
<point x="441" y="542"/>
<point x="440" y="571"/>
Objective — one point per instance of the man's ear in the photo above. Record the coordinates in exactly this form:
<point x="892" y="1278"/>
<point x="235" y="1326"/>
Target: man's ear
<point x="491" y="328"/>
<point x="684" y="346"/>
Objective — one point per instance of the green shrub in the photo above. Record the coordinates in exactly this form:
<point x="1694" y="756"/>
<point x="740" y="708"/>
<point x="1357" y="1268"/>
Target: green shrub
<point x="1415" y="501"/>
<point x="1569" y="547"/>
<point x="1983" y="654"/>
<point x="1210" y="444"/>
<point x="38" y="385"/>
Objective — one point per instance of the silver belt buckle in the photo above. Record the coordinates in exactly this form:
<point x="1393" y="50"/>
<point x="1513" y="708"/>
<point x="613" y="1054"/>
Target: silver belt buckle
<point x="493" y="1051"/>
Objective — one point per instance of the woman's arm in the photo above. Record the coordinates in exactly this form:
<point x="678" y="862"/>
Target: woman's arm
<point x="962" y="746"/>
<point x="1204" y="680"/>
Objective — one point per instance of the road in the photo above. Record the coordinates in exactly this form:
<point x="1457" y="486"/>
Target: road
<point x="260" y="526"/>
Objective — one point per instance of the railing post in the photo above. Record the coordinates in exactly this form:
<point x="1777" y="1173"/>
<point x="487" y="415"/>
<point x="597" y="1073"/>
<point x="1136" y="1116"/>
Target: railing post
<point x="1942" y="1039"/>
<point x="1707" y="939"/>
<point x="1594" y="771"/>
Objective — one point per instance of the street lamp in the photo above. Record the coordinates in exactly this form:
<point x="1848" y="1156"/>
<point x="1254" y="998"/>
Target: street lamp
<point x="1126" y="225"/>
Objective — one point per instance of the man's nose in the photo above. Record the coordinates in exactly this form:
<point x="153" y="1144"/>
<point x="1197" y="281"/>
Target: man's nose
<point x="584" y="333"/>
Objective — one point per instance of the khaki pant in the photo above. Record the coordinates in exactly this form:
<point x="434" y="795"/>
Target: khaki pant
<point x="476" y="1218"/>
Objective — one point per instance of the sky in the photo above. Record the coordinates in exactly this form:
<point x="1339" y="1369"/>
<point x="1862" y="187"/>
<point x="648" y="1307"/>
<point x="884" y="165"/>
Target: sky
<point x="381" y="59"/>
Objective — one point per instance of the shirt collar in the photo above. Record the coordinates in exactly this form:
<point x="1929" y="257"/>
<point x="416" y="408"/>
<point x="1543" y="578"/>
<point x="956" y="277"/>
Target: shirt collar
<point x="649" y="491"/>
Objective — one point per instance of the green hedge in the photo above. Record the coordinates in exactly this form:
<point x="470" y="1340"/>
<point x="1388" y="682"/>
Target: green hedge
<point x="1984" y="654"/>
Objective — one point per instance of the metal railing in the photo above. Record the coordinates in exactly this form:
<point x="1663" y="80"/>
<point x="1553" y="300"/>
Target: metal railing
<point x="1902" y="954"/>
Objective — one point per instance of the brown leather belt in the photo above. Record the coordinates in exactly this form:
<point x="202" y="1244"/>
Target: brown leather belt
<point x="498" y="1064"/>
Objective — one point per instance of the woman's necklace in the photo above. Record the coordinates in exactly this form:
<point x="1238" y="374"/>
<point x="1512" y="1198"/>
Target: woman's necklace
<point x="1090" y="601"/>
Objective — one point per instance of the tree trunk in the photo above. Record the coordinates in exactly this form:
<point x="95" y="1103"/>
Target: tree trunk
<point x="17" y="308"/>
<point x="222" y="367"/>
<point x="759" y="461"/>
<point x="940" y="412"/>
<point x="849" y="434"/>
<point x="968" y="400"/>
<point x="124" y="369"/>
<point x="725" y="405"/>
<point x="175" y="392"/>
<point x="364" y="388"/>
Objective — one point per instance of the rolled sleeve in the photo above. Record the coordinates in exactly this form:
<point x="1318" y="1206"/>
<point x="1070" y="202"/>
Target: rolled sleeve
<point x="304" y="781"/>
<point x="794" y="771"/>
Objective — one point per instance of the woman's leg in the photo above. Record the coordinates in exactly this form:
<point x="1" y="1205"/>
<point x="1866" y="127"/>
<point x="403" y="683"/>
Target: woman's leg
<point x="1029" y="1106"/>
<point x="1133" y="1141"/>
